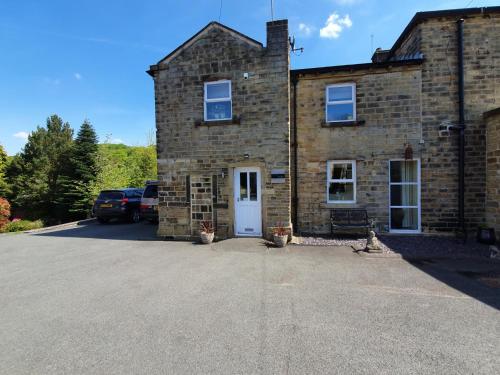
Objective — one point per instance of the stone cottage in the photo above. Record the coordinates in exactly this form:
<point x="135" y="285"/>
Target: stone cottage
<point x="248" y="143"/>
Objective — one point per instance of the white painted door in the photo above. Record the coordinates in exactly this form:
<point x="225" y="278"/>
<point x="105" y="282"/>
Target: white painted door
<point x="247" y="202"/>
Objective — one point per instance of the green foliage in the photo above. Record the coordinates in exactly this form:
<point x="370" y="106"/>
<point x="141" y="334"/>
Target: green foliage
<point x="37" y="171"/>
<point x="80" y="173"/>
<point x="56" y="178"/>
<point x="21" y="225"/>
<point x="3" y="167"/>
<point x="125" y="166"/>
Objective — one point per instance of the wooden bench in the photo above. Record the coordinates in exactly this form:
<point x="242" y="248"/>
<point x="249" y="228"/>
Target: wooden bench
<point x="350" y="218"/>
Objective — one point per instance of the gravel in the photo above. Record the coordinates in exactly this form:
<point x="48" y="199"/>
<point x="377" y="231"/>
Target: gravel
<point x="409" y="246"/>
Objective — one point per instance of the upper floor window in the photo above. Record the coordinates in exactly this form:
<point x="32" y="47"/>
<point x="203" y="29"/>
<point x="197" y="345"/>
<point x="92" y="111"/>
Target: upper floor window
<point x="341" y="181"/>
<point x="218" y="104"/>
<point x="341" y="102"/>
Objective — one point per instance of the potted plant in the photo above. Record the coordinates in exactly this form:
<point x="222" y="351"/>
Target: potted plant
<point x="485" y="234"/>
<point x="280" y="235"/>
<point x="206" y="232"/>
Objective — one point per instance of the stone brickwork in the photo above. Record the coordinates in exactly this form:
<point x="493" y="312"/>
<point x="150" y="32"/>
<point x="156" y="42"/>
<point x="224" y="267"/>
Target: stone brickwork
<point x="493" y="170"/>
<point x="388" y="114"/>
<point x="258" y="135"/>
<point x="201" y="202"/>
<point x="438" y="43"/>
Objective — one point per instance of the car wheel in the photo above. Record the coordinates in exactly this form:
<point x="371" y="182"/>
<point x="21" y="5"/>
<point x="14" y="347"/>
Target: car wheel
<point x="135" y="217"/>
<point x="102" y="220"/>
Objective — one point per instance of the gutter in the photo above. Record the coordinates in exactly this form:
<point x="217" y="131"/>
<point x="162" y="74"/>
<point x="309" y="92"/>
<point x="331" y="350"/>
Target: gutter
<point x="461" y="126"/>
<point x="295" y="198"/>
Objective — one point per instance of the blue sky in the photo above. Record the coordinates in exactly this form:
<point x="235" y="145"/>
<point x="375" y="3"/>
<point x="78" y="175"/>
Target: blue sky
<point x="87" y="59"/>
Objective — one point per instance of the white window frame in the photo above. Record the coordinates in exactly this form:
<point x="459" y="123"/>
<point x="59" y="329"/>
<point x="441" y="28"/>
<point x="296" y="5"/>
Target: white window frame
<point x="330" y="180"/>
<point x="352" y="85"/>
<point x="419" y="203"/>
<point x="206" y="100"/>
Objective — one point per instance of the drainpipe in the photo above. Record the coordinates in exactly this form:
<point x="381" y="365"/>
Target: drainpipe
<point x="295" y="219"/>
<point x="461" y="124"/>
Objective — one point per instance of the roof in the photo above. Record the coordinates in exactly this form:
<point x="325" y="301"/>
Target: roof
<point x="196" y="36"/>
<point x="353" y="67"/>
<point x="421" y="16"/>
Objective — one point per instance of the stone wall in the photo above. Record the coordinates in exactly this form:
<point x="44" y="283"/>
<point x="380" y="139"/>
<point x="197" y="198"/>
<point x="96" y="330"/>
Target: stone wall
<point x="192" y="152"/>
<point x="388" y="115"/>
<point x="438" y="43"/>
<point x="493" y="170"/>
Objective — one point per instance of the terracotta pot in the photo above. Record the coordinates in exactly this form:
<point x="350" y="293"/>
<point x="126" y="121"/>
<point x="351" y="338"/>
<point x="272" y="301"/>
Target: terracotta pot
<point x="280" y="241"/>
<point x="207" y="238"/>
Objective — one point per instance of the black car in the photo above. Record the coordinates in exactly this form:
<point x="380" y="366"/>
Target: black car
<point x="119" y="203"/>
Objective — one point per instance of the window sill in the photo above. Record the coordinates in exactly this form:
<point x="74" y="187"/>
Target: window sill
<point x="236" y="120"/>
<point x="339" y="124"/>
<point x="338" y="205"/>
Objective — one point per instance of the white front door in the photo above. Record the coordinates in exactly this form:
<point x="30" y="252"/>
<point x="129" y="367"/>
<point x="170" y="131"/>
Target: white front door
<point x="247" y="202"/>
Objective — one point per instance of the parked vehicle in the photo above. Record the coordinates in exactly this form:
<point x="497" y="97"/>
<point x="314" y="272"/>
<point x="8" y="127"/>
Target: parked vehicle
<point x="149" y="201"/>
<point x="119" y="203"/>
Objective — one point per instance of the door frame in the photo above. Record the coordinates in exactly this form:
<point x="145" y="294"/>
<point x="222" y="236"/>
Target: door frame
<point x="419" y="200"/>
<point x="235" y="199"/>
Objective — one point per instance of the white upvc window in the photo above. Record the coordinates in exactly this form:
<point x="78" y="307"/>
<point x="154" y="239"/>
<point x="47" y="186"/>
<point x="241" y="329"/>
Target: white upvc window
<point x="218" y="102"/>
<point x="404" y="196"/>
<point x="341" y="102"/>
<point x="341" y="181"/>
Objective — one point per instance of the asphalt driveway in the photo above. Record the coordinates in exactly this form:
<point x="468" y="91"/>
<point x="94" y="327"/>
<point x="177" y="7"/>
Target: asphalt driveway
<point x="102" y="300"/>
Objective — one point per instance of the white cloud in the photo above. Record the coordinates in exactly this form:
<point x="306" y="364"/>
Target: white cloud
<point x="78" y="76"/>
<point x="22" y="135"/>
<point x="334" y="25"/>
<point x="116" y="141"/>
<point x="306" y="30"/>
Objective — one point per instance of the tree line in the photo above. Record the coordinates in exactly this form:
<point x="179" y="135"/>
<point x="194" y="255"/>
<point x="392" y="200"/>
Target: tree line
<point x="57" y="176"/>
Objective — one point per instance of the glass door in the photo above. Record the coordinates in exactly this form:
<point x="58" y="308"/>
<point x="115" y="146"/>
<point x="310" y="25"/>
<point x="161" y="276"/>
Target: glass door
<point x="404" y="196"/>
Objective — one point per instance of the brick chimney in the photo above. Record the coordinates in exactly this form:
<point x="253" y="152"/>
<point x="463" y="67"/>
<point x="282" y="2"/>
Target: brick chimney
<point x="277" y="37"/>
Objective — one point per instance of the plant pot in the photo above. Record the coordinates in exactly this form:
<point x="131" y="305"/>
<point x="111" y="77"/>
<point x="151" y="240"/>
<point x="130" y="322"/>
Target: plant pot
<point x="280" y="241"/>
<point x="486" y="236"/>
<point x="207" y="238"/>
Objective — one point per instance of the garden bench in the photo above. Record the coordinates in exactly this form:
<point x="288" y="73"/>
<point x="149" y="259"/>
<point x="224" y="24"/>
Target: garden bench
<point x="349" y="218"/>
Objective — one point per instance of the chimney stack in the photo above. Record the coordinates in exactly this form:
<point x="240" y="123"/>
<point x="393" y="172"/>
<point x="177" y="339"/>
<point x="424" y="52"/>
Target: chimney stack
<point x="277" y="37"/>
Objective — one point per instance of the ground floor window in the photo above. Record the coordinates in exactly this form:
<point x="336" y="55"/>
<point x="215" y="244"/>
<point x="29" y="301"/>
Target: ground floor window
<point x="341" y="181"/>
<point x="404" y="195"/>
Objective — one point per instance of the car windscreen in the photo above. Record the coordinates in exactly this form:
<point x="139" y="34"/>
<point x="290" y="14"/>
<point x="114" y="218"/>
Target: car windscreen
<point x="151" y="191"/>
<point x="110" y="195"/>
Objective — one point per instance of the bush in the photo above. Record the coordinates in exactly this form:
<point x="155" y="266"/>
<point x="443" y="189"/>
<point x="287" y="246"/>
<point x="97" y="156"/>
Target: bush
<point x="21" y="225"/>
<point x="4" y="212"/>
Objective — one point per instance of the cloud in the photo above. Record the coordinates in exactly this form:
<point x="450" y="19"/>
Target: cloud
<point x="22" y="135"/>
<point x="306" y="30"/>
<point x="78" y="76"/>
<point x="334" y="25"/>
<point x="116" y="141"/>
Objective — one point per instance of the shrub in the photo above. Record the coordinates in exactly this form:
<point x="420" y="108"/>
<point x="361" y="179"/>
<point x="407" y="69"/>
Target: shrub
<point x="21" y="225"/>
<point x="4" y="212"/>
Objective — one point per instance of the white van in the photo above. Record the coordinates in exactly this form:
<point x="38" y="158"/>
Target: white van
<point x="149" y="201"/>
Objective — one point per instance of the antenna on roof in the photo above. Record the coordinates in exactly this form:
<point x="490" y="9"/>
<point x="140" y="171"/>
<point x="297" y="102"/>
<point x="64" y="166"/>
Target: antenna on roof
<point x="291" y="40"/>
<point x="220" y="10"/>
<point x="272" y="10"/>
<point x="371" y="44"/>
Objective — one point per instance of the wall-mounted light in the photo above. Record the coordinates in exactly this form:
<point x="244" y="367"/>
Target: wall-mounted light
<point x="246" y="156"/>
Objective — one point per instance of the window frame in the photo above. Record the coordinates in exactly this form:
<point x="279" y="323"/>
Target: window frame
<point x="352" y="85"/>
<point x="330" y="180"/>
<point x="206" y="100"/>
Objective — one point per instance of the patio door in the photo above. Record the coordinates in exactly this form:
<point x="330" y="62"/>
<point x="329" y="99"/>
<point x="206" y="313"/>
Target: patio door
<point x="404" y="196"/>
<point x="247" y="202"/>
